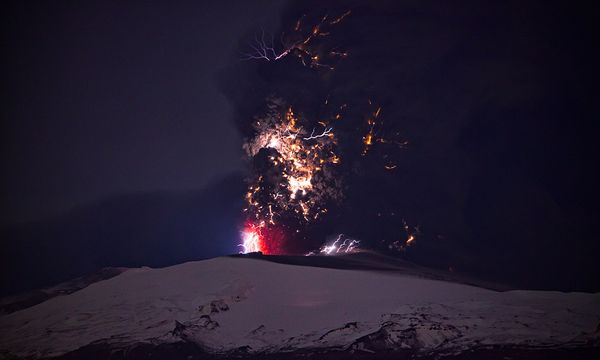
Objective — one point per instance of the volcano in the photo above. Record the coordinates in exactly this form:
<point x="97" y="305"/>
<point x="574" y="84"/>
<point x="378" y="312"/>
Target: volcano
<point x="364" y="305"/>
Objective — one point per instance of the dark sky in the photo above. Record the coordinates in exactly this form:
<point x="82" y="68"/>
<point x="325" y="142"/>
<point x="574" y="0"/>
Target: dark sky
<point x="110" y="97"/>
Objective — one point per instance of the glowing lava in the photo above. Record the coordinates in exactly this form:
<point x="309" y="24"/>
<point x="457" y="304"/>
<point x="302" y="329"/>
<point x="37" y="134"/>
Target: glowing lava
<point x="293" y="179"/>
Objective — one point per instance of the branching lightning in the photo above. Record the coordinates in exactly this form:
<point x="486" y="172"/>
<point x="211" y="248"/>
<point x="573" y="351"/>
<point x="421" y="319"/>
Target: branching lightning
<point x="293" y="178"/>
<point x="301" y="42"/>
<point x="264" y="49"/>
<point x="326" y="132"/>
<point x="303" y="181"/>
<point x="340" y="246"/>
<point x="251" y="240"/>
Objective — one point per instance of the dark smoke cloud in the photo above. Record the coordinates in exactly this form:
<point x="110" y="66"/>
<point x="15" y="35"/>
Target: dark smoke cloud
<point x="496" y="101"/>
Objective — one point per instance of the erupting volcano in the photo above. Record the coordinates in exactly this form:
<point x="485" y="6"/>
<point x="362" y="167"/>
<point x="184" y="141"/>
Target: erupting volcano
<point x="294" y="177"/>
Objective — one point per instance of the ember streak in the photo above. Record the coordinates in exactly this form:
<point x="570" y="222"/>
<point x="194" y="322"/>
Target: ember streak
<point x="368" y="138"/>
<point x="374" y="134"/>
<point x="293" y="176"/>
<point x="302" y="41"/>
<point x="408" y="239"/>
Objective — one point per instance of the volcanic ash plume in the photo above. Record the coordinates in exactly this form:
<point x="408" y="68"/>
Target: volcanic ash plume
<point x="293" y="178"/>
<point x="294" y="186"/>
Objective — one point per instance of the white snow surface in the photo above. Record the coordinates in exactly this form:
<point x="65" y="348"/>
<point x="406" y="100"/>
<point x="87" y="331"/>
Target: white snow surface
<point x="225" y="304"/>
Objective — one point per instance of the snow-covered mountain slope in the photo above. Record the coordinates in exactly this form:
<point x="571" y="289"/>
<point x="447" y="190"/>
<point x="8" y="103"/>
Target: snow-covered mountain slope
<point x="239" y="305"/>
<point x="17" y="302"/>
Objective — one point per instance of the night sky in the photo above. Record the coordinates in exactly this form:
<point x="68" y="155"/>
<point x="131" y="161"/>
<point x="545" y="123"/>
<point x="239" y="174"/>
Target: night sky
<point x="107" y="97"/>
<point x="133" y="113"/>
